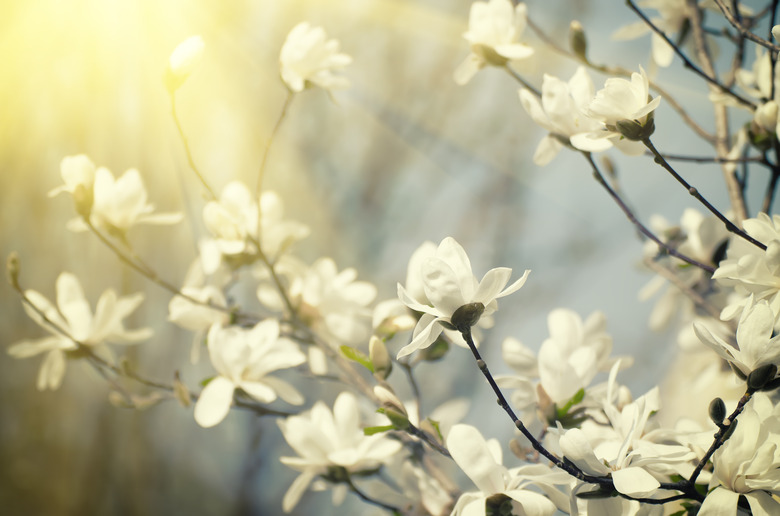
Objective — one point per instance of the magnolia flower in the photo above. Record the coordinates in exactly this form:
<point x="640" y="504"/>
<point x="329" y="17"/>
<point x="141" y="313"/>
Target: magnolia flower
<point x="673" y="16"/>
<point x="72" y="324"/>
<point x="748" y="464"/>
<point x="308" y="58"/>
<point x="330" y="444"/>
<point x="494" y="33"/>
<point x="625" y="107"/>
<point x="113" y="205"/>
<point x="750" y="270"/>
<point x="449" y="284"/>
<point x="757" y="346"/>
<point x="574" y="353"/>
<point x="757" y="82"/>
<point x="244" y="358"/>
<point x="560" y="112"/>
<point x="233" y="222"/>
<point x="183" y="61"/>
<point x="481" y="461"/>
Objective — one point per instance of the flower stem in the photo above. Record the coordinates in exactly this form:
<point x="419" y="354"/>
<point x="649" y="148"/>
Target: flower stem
<point x="187" y="150"/>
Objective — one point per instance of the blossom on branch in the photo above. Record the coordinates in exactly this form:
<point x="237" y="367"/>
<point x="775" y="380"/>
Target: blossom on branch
<point x="183" y="61"/>
<point x="244" y="358"/>
<point x="72" y="324"/>
<point x="332" y="445"/>
<point x="449" y="285"/>
<point x="494" y="34"/>
<point x="308" y="58"/>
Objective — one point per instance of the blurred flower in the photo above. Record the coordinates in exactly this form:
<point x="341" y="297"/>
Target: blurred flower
<point x="308" y="58"/>
<point x="73" y="316"/>
<point x="244" y="358"/>
<point x="331" y="445"/>
<point x="449" y="284"/>
<point x="75" y="171"/>
<point x="748" y="463"/>
<point x="233" y="222"/>
<point x="673" y="16"/>
<point x="757" y="346"/>
<point x="494" y="33"/>
<point x="561" y="113"/>
<point x="481" y="461"/>
<point x="183" y="61"/>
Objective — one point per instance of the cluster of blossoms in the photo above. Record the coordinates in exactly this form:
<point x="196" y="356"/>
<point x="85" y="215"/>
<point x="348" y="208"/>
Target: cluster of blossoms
<point x="586" y="444"/>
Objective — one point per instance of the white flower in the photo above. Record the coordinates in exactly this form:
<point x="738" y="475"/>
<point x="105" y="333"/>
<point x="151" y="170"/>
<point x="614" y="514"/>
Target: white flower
<point x="244" y="358"/>
<point x="75" y="171"/>
<point x="481" y="461"/>
<point x="449" y="284"/>
<point x="328" y="442"/>
<point x="750" y="270"/>
<point x="233" y="222"/>
<point x="748" y="464"/>
<point x="74" y="316"/>
<point x="561" y="113"/>
<point x="574" y="353"/>
<point x="625" y="108"/>
<point x="183" y="60"/>
<point x="757" y="347"/>
<point x="309" y="57"/>
<point x="674" y="15"/>
<point x="494" y="33"/>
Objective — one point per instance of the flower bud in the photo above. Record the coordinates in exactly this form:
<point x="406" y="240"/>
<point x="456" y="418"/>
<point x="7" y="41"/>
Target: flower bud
<point x="181" y="392"/>
<point x="467" y="316"/>
<point x="380" y="358"/>
<point x="83" y="199"/>
<point x="398" y="419"/>
<point x="12" y="269"/>
<point x="183" y="61"/>
<point x="577" y="40"/>
<point x="717" y="411"/>
<point x="760" y="376"/>
<point x="635" y="130"/>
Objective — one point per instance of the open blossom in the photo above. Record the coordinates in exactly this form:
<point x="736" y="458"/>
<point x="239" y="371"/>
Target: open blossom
<point x="114" y="205"/>
<point x="494" y="33"/>
<point x="757" y="346"/>
<point x="449" y="284"/>
<point x="309" y="57"/>
<point x="748" y="464"/>
<point x="233" y="222"/>
<point x="561" y="113"/>
<point x="481" y="460"/>
<point x="73" y="315"/>
<point x="183" y="61"/>
<point x="625" y="108"/>
<point x="244" y="358"/>
<point x="331" y="444"/>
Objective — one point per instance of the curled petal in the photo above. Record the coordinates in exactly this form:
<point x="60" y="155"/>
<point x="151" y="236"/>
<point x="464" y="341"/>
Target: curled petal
<point x="214" y="402"/>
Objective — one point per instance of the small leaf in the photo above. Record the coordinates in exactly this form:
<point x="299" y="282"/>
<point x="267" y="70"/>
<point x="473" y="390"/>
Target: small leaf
<point x="357" y="356"/>
<point x="577" y="398"/>
<point x="206" y="381"/>
<point x="371" y="430"/>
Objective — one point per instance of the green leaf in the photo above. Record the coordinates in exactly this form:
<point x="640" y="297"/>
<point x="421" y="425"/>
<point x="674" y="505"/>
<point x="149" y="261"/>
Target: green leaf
<point x="577" y="398"/>
<point x="357" y="356"/>
<point x="206" y="381"/>
<point x="371" y="430"/>
<point x="435" y="424"/>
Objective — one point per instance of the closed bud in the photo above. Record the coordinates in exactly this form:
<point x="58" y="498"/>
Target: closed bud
<point x="181" y="392"/>
<point x="467" y="316"/>
<point x="717" y="411"/>
<point x="12" y="269"/>
<point x="380" y="358"/>
<point x="577" y="40"/>
<point x="398" y="419"/>
<point x="730" y="431"/>
<point x="635" y="130"/>
<point x="760" y="376"/>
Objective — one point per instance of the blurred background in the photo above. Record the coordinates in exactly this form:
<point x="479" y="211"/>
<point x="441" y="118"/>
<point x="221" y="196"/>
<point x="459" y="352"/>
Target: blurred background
<point x="403" y="156"/>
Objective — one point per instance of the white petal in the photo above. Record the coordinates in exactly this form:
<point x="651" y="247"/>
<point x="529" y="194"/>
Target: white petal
<point x="214" y="402"/>
<point x="258" y="390"/>
<point x="427" y="330"/>
<point x="719" y="502"/>
<point x="492" y="283"/>
<point x="470" y="451"/>
<point x="575" y="446"/>
<point x="296" y="490"/>
<point x="635" y="482"/>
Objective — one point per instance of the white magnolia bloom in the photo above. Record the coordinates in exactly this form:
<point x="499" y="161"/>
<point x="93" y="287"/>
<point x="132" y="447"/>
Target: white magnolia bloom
<point x="481" y="460"/>
<point x="626" y="449"/>
<point x="308" y="58"/>
<point x="561" y="113"/>
<point x="449" y="284"/>
<point x="750" y="270"/>
<point x="574" y="354"/>
<point x="183" y="60"/>
<point x="327" y="442"/>
<point x="74" y="316"/>
<point x="233" y="222"/>
<point x="748" y="463"/>
<point x="114" y="205"/>
<point x="757" y="347"/>
<point x="620" y="100"/>
<point x="673" y="16"/>
<point x="243" y="359"/>
<point x="757" y="82"/>
<point x="494" y="34"/>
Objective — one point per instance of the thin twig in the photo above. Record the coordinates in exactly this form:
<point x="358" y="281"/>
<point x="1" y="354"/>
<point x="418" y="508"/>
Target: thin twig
<point x="744" y="31"/>
<point x="187" y="150"/>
